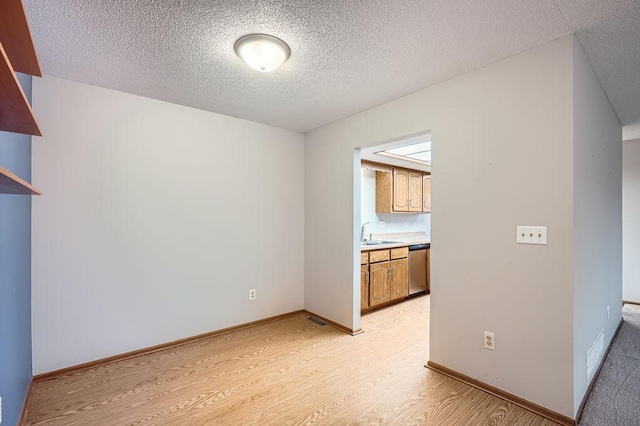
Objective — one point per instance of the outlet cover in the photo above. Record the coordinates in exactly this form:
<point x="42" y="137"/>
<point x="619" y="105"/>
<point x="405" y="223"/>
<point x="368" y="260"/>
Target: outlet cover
<point x="382" y="224"/>
<point x="531" y="235"/>
<point x="489" y="341"/>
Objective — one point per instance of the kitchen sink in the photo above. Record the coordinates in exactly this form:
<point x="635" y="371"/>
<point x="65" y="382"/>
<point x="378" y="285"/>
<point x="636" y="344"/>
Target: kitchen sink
<point x="377" y="242"/>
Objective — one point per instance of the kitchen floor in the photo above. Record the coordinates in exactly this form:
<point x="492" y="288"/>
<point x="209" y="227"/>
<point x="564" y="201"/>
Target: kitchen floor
<point x="290" y="371"/>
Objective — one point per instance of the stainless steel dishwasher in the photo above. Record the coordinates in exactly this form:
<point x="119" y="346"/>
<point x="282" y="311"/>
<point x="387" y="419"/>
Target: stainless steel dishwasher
<point x="418" y="268"/>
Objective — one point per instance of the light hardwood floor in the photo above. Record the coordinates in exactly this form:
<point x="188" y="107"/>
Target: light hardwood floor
<point x="291" y="371"/>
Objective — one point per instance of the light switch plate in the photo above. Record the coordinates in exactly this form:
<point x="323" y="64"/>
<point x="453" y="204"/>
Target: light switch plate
<point x="382" y="224"/>
<point x="531" y="235"/>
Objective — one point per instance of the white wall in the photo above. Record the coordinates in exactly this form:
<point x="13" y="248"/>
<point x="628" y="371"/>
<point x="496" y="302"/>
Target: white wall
<point x="597" y="217"/>
<point x="502" y="157"/>
<point x="155" y="222"/>
<point x="394" y="222"/>
<point x="631" y="220"/>
<point x="631" y="131"/>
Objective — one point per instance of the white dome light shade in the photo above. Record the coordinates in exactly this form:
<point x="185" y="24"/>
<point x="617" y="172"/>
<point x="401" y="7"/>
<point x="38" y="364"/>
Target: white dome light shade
<point x="262" y="52"/>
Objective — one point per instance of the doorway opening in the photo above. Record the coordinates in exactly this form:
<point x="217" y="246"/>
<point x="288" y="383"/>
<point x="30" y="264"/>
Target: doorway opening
<point x="393" y="216"/>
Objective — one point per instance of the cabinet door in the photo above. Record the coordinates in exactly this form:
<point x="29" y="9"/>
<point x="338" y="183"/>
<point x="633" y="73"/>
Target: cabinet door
<point x="384" y="192"/>
<point x="426" y="193"/>
<point x="364" y="286"/>
<point x="379" y="288"/>
<point x="415" y="192"/>
<point x="399" y="279"/>
<point x="400" y="190"/>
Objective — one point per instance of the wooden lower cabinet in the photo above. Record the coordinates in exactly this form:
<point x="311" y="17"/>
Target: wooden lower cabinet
<point x="388" y="280"/>
<point x="399" y="279"/>
<point x="388" y="277"/>
<point x="379" y="288"/>
<point x="364" y="287"/>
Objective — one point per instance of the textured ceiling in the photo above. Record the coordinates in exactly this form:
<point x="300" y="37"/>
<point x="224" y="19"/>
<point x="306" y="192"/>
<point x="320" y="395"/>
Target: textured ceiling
<point x="347" y="56"/>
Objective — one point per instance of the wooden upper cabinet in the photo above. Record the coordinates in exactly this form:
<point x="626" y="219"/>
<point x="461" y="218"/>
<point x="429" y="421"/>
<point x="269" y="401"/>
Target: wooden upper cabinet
<point x="426" y="193"/>
<point x="415" y="192"/>
<point x="400" y="191"/>
<point x="401" y="184"/>
<point x="384" y="192"/>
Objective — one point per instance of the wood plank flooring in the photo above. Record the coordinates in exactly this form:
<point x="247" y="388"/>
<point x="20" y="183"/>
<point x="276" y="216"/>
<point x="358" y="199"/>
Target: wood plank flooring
<point x="288" y="372"/>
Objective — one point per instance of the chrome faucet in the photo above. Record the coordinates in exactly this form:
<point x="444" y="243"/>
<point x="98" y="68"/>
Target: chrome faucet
<point x="362" y="231"/>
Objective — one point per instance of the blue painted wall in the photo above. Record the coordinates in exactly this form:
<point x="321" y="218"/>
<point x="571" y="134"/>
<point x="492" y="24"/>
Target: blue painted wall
<point x="15" y="275"/>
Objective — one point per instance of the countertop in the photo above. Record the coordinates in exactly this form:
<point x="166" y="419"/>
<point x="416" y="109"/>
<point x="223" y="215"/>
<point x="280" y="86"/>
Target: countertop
<point x="399" y="240"/>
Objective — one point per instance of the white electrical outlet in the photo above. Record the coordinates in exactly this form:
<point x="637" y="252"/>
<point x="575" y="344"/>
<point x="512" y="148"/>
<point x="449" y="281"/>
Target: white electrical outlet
<point x="608" y="313"/>
<point x="382" y="224"/>
<point x="531" y="235"/>
<point x="252" y="294"/>
<point x="405" y="223"/>
<point x="489" y="341"/>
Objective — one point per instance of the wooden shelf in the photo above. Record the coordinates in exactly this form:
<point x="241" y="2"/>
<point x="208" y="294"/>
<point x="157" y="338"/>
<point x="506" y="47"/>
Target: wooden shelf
<point x="12" y="184"/>
<point x="15" y="112"/>
<point x="16" y="38"/>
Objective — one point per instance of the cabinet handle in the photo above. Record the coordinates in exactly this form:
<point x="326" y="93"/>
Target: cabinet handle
<point x="391" y="270"/>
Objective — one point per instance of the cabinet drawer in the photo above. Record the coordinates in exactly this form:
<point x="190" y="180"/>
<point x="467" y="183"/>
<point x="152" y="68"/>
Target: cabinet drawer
<point x="378" y="256"/>
<point x="399" y="253"/>
<point x="364" y="258"/>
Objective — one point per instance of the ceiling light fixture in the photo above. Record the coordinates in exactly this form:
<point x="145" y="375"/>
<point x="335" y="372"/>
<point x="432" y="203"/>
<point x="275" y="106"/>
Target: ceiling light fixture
<point x="262" y="52"/>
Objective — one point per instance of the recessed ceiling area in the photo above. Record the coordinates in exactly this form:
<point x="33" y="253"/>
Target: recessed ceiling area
<point x="417" y="153"/>
<point x="346" y="56"/>
<point x="412" y="152"/>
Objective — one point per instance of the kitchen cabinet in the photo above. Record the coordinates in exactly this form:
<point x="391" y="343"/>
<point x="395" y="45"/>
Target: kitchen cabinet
<point x="388" y="277"/>
<point x="399" y="192"/>
<point x="426" y="193"/>
<point x="379" y="285"/>
<point x="364" y="287"/>
<point x="415" y="192"/>
<point x="399" y="279"/>
<point x="364" y="280"/>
